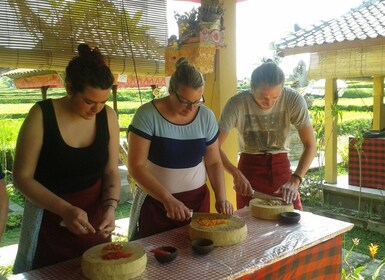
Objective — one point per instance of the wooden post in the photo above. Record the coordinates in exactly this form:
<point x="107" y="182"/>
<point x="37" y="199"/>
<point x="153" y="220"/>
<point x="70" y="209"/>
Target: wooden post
<point x="44" y="90"/>
<point x="330" y="131"/>
<point x="378" y="103"/>
<point x="114" y="98"/>
<point x="221" y="85"/>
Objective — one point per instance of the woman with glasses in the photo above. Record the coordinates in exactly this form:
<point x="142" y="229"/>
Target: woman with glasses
<point x="172" y="145"/>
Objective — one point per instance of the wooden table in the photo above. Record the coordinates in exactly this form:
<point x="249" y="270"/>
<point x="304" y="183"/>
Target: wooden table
<point x="311" y="249"/>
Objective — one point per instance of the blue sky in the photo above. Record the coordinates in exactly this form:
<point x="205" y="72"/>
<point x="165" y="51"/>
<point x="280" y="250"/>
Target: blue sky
<point x="261" y="22"/>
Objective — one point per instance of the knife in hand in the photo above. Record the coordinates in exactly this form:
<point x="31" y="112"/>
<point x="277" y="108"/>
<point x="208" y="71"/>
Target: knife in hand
<point x="260" y="195"/>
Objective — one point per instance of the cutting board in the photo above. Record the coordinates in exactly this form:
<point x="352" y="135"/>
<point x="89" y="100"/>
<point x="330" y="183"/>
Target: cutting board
<point x="94" y="267"/>
<point x="222" y="229"/>
<point x="269" y="209"/>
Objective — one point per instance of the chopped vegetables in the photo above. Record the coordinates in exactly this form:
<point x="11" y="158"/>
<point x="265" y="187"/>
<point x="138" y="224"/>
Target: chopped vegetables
<point x="113" y="247"/>
<point x="114" y="251"/>
<point x="210" y="222"/>
<point x="115" y="255"/>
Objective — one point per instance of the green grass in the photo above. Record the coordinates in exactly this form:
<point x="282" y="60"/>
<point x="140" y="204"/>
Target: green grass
<point x="10" y="237"/>
<point x="367" y="101"/>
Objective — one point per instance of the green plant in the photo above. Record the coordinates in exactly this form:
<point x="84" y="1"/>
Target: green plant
<point x="6" y="82"/>
<point x="357" y="145"/>
<point x="14" y="221"/>
<point x="15" y="195"/>
<point x="6" y="270"/>
<point x="361" y="93"/>
<point x="8" y="135"/>
<point x="311" y="189"/>
<point x="359" y="124"/>
<point x="188" y="24"/>
<point x="123" y="210"/>
<point x="354" y="273"/>
<point x="377" y="271"/>
<point x="210" y="11"/>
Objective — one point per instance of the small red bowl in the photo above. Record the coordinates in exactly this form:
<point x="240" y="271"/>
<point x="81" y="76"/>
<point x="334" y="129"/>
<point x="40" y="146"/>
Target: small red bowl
<point x="165" y="254"/>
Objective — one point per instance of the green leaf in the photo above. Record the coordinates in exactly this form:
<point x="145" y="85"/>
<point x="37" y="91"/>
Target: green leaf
<point x="357" y="270"/>
<point x="377" y="271"/>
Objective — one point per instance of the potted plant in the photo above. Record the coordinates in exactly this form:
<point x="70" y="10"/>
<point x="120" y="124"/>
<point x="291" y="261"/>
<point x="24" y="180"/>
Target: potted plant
<point x="205" y="19"/>
<point x="188" y="24"/>
<point x="211" y="12"/>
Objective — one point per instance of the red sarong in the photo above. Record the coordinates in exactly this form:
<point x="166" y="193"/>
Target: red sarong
<point x="266" y="173"/>
<point x="57" y="243"/>
<point x="153" y="216"/>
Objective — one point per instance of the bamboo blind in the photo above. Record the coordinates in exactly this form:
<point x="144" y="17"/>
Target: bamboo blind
<point x="44" y="34"/>
<point x="366" y="61"/>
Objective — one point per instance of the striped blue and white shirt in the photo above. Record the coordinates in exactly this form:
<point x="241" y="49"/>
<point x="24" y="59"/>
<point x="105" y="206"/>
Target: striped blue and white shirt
<point x="176" y="151"/>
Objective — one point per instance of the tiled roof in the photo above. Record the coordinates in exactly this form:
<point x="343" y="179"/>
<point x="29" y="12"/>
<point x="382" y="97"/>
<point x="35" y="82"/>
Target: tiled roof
<point x="364" y="22"/>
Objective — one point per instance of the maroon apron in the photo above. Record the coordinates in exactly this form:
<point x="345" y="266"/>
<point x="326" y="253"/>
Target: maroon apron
<point x="57" y="243"/>
<point x="153" y="216"/>
<point x="266" y="173"/>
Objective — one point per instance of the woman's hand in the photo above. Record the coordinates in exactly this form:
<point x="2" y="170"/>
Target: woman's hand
<point x="177" y="211"/>
<point x="107" y="226"/>
<point x="289" y="191"/>
<point x="224" y="207"/>
<point x="241" y="184"/>
<point x="76" y="220"/>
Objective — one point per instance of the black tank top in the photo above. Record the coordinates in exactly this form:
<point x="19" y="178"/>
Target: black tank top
<point x="64" y="169"/>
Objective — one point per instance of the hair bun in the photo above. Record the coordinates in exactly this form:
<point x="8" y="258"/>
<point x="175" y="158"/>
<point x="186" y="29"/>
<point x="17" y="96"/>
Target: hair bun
<point x="84" y="50"/>
<point x="91" y="54"/>
<point x="183" y="61"/>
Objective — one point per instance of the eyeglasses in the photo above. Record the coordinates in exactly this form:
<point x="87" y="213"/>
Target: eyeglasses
<point x="189" y="103"/>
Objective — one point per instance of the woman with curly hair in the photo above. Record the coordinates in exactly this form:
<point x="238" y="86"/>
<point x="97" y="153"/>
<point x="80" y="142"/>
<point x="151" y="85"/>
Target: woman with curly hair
<point x="66" y="165"/>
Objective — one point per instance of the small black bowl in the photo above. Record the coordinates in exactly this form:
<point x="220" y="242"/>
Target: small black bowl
<point x="202" y="246"/>
<point x="289" y="217"/>
<point x="165" y="257"/>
